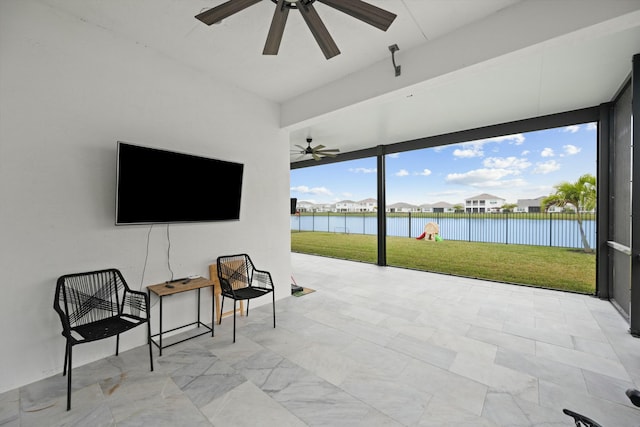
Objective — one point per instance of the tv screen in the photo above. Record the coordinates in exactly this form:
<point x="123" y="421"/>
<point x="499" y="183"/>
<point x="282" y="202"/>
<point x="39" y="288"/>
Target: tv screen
<point x="159" y="186"/>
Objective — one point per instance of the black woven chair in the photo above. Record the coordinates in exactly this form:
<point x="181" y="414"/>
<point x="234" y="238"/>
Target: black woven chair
<point x="240" y="280"/>
<point x="96" y="305"/>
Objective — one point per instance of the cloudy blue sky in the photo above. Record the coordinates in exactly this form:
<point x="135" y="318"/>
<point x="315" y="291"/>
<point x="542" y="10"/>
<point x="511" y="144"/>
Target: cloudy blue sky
<point x="512" y="167"/>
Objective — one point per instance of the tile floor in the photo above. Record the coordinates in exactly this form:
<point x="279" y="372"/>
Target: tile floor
<point x="372" y="346"/>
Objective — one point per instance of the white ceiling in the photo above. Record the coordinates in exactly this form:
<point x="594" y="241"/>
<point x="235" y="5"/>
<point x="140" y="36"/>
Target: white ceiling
<point x="465" y="63"/>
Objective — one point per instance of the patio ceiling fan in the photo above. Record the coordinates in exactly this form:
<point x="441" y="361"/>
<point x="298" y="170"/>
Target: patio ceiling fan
<point x="359" y="9"/>
<point x="317" y="152"/>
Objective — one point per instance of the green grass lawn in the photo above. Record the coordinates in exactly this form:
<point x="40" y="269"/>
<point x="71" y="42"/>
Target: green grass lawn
<point x="549" y="267"/>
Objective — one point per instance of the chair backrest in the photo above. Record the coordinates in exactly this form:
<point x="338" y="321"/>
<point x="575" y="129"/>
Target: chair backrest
<point x="235" y="271"/>
<point x="83" y="298"/>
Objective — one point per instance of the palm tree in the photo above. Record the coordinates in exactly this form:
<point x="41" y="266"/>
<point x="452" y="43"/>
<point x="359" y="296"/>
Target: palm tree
<point x="581" y="195"/>
<point x="509" y="207"/>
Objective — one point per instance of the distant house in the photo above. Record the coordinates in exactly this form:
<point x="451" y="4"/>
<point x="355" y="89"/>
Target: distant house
<point x="304" y="206"/>
<point x="402" y="207"/>
<point x="325" y="207"/>
<point x="483" y="203"/>
<point x="535" y="206"/>
<point x="347" y="206"/>
<point x="439" y="207"/>
<point x="529" y="205"/>
<point x="368" y="205"/>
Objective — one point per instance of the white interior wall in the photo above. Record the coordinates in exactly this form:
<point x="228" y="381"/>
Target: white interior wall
<point x="68" y="91"/>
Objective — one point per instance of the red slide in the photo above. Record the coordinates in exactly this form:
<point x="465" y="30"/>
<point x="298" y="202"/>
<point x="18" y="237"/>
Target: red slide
<point x="420" y="237"/>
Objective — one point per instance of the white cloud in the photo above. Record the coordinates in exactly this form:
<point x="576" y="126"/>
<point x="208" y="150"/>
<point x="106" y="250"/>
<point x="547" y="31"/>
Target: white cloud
<point x="303" y="189"/>
<point x="469" y="149"/>
<point x="363" y="170"/>
<point x="402" y="172"/>
<point x="480" y="177"/>
<point x="516" y="139"/>
<point x="425" y="172"/>
<point x="547" y="152"/>
<point x="506" y="163"/>
<point x="475" y="148"/>
<point x="525" y="152"/>
<point x="571" y="129"/>
<point x="347" y="195"/>
<point x="546" y="167"/>
<point x="393" y="155"/>
<point x="592" y="126"/>
<point x="467" y="153"/>
<point x="571" y="149"/>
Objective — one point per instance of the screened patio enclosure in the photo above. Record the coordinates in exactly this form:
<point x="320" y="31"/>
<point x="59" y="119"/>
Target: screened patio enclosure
<point x="618" y="218"/>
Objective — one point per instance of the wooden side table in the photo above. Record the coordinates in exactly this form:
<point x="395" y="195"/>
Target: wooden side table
<point x="171" y="288"/>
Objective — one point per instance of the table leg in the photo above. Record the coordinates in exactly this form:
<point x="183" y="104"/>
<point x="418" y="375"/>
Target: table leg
<point x="216" y="297"/>
<point x="213" y="311"/>
<point x="198" y="324"/>
<point x="160" y="334"/>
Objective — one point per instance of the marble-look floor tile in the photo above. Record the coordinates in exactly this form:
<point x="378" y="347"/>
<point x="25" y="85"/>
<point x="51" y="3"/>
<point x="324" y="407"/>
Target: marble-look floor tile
<point x="325" y="361"/>
<point x="538" y="334"/>
<point x="423" y="350"/>
<point x="555" y="398"/>
<point x="214" y="382"/>
<point x="441" y="412"/>
<point x="503" y="340"/>
<point x="504" y="409"/>
<point x="248" y="406"/>
<point x="496" y="377"/>
<point x="10" y="408"/>
<point x="403" y="403"/>
<point x="458" y="352"/>
<point x="460" y="391"/>
<point x="319" y="403"/>
<point x="597" y="348"/>
<point x="462" y="344"/>
<point x="611" y="389"/>
<point x="612" y="368"/>
<point x="88" y="408"/>
<point x="545" y="369"/>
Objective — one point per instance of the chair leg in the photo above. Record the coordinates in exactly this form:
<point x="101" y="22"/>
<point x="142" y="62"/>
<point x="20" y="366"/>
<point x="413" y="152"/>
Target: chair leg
<point x="149" y="339"/>
<point x="66" y="356"/>
<point x="248" y="307"/>
<point x="69" y="379"/>
<point x="221" y="311"/>
<point x="273" y="297"/>
<point x="234" y="320"/>
<point x="117" y="343"/>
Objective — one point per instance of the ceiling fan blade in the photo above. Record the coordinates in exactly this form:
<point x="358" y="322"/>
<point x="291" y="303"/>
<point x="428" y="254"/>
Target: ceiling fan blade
<point x="319" y="31"/>
<point x="329" y="154"/>
<point x="300" y="147"/>
<point x="315" y="156"/>
<point x="318" y="147"/>
<point x="224" y="10"/>
<point x="272" y="45"/>
<point x="332" y="150"/>
<point x="365" y="12"/>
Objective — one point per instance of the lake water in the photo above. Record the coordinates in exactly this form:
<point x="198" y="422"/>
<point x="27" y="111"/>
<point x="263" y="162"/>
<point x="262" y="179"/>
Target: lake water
<point x="511" y="230"/>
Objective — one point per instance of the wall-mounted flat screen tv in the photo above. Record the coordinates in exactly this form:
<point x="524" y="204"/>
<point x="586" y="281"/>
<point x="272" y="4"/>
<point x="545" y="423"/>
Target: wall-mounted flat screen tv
<point x="160" y="186"/>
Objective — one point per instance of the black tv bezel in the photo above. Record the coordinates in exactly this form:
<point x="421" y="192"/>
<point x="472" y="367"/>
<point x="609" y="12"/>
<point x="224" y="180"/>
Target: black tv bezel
<point x="240" y="180"/>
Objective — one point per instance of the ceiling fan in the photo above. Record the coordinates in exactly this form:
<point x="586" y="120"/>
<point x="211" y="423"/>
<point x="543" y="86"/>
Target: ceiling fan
<point x="359" y="9"/>
<point x="316" y="152"/>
